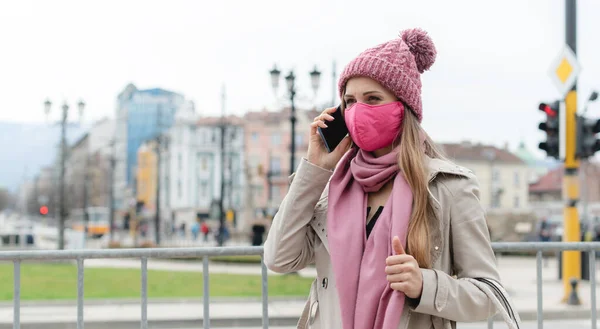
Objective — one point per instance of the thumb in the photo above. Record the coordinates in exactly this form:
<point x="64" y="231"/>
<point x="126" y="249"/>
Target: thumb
<point x="397" y="246"/>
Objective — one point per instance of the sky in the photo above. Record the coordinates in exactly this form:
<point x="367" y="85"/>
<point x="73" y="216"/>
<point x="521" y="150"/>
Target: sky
<point x="491" y="72"/>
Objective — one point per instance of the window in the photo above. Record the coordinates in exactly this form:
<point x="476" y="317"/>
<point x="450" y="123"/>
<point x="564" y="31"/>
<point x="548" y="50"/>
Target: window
<point x="202" y="162"/>
<point x="275" y="165"/>
<point x="495" y="201"/>
<point x="179" y="161"/>
<point x="517" y="202"/>
<point x="233" y="163"/>
<point x="167" y="190"/>
<point x="254" y="136"/>
<point x="253" y="161"/>
<point x="275" y="192"/>
<point x="179" y="188"/>
<point x="495" y="175"/>
<point x="236" y="200"/>
<point x="299" y="140"/>
<point x="258" y="190"/>
<point x="516" y="178"/>
<point x="203" y="189"/>
<point x="275" y="139"/>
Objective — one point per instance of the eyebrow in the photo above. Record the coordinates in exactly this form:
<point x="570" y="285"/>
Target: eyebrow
<point x="365" y="93"/>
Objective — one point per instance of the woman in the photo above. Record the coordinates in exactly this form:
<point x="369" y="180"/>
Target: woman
<point x="397" y="232"/>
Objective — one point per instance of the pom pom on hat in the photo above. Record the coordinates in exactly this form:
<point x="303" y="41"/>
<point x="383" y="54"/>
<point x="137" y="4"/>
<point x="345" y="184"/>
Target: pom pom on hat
<point x="421" y="46"/>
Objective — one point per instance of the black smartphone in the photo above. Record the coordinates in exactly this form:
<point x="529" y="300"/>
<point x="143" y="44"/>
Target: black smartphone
<point x="336" y="130"/>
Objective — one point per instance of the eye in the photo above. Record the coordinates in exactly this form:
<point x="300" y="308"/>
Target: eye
<point x="350" y="101"/>
<point x="374" y="99"/>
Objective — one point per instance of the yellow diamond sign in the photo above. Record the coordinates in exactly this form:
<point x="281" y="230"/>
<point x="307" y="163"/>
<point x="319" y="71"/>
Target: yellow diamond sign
<point x="564" y="70"/>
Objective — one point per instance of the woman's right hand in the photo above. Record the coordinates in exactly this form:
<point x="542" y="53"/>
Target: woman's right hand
<point x="317" y="152"/>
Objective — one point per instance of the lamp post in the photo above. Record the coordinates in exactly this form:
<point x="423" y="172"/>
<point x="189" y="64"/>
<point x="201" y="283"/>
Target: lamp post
<point x="290" y="80"/>
<point x="62" y="212"/>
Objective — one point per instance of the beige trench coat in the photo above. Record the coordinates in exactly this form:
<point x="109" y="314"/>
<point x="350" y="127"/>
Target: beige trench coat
<point x="454" y="290"/>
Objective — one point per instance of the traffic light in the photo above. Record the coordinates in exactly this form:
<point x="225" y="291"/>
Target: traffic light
<point x="552" y="129"/>
<point x="43" y="210"/>
<point x="587" y="143"/>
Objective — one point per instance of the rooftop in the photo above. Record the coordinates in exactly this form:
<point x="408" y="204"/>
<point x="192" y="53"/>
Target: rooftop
<point x="478" y="152"/>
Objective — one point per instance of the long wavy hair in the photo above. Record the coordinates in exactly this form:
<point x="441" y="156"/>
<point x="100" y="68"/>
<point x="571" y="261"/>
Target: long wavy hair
<point x="411" y="159"/>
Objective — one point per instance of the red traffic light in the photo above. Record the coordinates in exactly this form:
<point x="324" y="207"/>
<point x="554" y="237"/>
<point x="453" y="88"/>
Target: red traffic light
<point x="548" y="110"/>
<point x="43" y="210"/>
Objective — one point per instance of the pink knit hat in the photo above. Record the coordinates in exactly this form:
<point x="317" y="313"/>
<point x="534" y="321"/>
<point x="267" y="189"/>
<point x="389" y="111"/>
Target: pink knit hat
<point x="397" y="65"/>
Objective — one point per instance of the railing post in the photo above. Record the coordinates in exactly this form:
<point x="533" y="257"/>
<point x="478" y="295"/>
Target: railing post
<point x="538" y="281"/>
<point x="592" y="262"/>
<point x="205" y="293"/>
<point x="144" y="322"/>
<point x="79" y="293"/>
<point x="265" y="293"/>
<point x="17" y="295"/>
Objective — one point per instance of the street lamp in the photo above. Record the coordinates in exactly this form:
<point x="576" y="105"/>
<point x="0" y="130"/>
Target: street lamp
<point x="62" y="212"/>
<point x="315" y="79"/>
<point x="290" y="80"/>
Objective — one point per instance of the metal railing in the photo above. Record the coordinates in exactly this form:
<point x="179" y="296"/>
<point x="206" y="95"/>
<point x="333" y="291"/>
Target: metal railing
<point x="539" y="248"/>
<point x="143" y="254"/>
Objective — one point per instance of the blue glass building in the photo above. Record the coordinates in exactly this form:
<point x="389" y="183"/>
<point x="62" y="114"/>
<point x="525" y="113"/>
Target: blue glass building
<point x="143" y="115"/>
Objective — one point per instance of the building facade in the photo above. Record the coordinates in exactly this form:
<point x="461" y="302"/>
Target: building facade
<point x="141" y="115"/>
<point x="546" y="194"/>
<point x="42" y="190"/>
<point x="537" y="167"/>
<point x="88" y="166"/>
<point x="268" y="142"/>
<point x="146" y="176"/>
<point x="191" y="171"/>
<point x="503" y="177"/>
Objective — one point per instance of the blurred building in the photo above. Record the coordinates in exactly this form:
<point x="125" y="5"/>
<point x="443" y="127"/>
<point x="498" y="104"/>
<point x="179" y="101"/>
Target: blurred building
<point x="42" y="190"/>
<point x="141" y="115"/>
<point x="146" y="176"/>
<point x="537" y="167"/>
<point x="191" y="168"/>
<point x="267" y="144"/>
<point x="546" y="194"/>
<point x="88" y="167"/>
<point x="503" y="177"/>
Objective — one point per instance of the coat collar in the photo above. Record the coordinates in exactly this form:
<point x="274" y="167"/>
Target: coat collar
<point x="437" y="166"/>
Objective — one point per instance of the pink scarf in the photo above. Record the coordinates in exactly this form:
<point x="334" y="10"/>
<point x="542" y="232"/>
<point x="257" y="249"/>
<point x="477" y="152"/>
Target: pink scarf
<point x="366" y="299"/>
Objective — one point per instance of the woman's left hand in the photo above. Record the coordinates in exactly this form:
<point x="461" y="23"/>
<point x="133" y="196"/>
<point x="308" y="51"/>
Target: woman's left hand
<point x="403" y="272"/>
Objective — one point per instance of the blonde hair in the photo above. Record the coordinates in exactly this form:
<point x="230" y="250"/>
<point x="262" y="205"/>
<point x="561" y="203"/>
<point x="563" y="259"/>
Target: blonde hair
<point x="412" y="163"/>
<point x="411" y="159"/>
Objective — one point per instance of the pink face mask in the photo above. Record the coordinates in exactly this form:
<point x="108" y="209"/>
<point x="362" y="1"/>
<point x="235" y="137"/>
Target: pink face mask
<point x="374" y="126"/>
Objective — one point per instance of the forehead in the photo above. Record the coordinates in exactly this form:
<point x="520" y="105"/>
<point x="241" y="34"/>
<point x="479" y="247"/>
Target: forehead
<point x="360" y="84"/>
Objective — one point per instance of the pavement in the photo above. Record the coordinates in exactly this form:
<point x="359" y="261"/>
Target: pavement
<point x="518" y="275"/>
